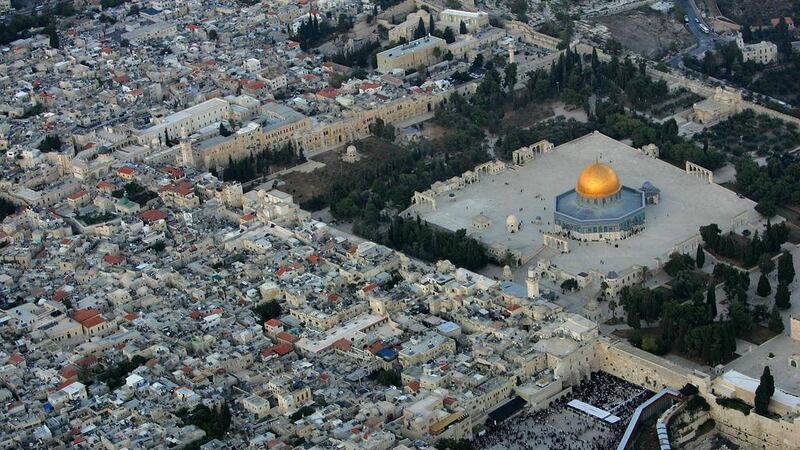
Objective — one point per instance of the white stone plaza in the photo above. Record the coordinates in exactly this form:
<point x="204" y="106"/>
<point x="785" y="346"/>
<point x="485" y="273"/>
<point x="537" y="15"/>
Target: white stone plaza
<point x="528" y="192"/>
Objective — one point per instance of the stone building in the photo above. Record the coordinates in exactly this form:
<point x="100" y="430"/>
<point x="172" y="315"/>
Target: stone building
<point x="763" y="52"/>
<point x="472" y="20"/>
<point x="421" y="52"/>
<point x="405" y="31"/>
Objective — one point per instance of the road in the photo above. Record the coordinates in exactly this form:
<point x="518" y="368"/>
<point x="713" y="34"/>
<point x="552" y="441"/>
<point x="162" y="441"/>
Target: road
<point x="705" y="41"/>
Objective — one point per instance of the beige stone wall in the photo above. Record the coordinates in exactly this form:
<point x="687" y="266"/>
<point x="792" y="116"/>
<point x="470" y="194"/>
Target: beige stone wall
<point x="637" y="366"/>
<point x="532" y="36"/>
<point x="753" y="430"/>
<point x="420" y="52"/>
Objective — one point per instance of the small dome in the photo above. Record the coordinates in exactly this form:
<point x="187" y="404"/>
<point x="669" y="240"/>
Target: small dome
<point x="598" y="180"/>
<point x="512" y="220"/>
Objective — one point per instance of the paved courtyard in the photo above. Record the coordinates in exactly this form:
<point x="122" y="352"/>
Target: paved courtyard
<point x="562" y="427"/>
<point x="529" y="192"/>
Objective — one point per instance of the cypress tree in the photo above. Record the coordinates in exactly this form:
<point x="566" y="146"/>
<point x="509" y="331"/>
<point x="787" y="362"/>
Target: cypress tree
<point x="700" y="258"/>
<point x="462" y="28"/>
<point x="711" y="301"/>
<point x="764" y="392"/>
<point x="785" y="268"/>
<point x="763" y="289"/>
<point x="775" y="322"/>
<point x="420" y="32"/>
<point x="782" y="297"/>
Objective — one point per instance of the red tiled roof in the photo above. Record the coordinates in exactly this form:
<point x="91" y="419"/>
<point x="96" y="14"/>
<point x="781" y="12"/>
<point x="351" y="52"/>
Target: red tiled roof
<point x="68" y="372"/>
<point x="114" y="260"/>
<point x="282" y="349"/>
<point x="126" y="170"/>
<point x="286" y="337"/>
<point x="153" y="215"/>
<point x="273" y="323"/>
<point x="87" y="361"/>
<point x="77" y="195"/>
<point x="376" y="347"/>
<point x="342" y="344"/>
<point x="84" y="314"/>
<point x="175" y="172"/>
<point x="93" y="322"/>
<point x="16" y="359"/>
<point x="328" y="93"/>
<point x="105" y="185"/>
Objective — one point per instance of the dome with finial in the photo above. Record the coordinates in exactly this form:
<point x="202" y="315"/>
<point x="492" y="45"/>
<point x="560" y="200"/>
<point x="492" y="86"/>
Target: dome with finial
<point x="598" y="180"/>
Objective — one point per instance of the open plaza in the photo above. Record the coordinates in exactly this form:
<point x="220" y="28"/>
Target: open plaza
<point x="563" y="426"/>
<point x="528" y="193"/>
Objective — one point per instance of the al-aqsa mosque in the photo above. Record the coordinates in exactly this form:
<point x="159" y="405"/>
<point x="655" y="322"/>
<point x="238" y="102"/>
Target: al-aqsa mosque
<point x="600" y="207"/>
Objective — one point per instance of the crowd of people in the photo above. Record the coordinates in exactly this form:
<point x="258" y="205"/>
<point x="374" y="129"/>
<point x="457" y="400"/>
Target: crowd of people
<point x="560" y="426"/>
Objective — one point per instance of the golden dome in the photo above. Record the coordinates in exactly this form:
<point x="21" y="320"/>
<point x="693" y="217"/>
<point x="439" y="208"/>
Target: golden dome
<point x="598" y="180"/>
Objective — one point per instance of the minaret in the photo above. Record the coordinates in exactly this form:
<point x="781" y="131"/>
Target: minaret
<point x="511" y="53"/>
<point x="187" y="155"/>
<point x="533" y="283"/>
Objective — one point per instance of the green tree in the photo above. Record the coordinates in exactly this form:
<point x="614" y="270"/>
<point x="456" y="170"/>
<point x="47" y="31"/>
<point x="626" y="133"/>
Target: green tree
<point x="510" y="78"/>
<point x="775" y="321"/>
<point x="452" y="444"/>
<point x="462" y="28"/>
<point x="6" y="208"/>
<point x="268" y="310"/>
<point x="448" y="35"/>
<point x="711" y="301"/>
<point x="651" y="345"/>
<point x="764" y="392"/>
<point x="53" y="34"/>
<point x="741" y="318"/>
<point x="700" y="257"/>
<point x="782" y="299"/>
<point x="763" y="289"/>
<point x="785" y="268"/>
<point x="420" y="31"/>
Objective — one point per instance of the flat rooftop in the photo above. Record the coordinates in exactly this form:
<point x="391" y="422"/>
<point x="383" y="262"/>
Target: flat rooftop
<point x="781" y="347"/>
<point x="427" y="41"/>
<point x="530" y="191"/>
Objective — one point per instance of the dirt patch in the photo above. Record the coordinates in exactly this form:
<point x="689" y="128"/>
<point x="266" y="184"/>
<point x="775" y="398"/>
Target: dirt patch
<point x="527" y="115"/>
<point x="649" y="33"/>
<point x="307" y="186"/>
<point x="758" y="335"/>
